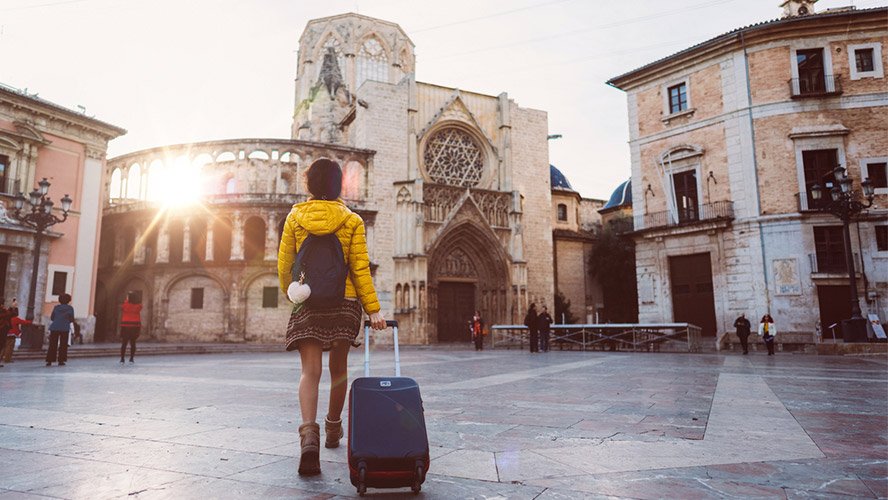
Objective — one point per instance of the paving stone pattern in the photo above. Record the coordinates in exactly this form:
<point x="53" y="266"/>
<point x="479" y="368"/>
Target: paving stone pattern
<point x="502" y="425"/>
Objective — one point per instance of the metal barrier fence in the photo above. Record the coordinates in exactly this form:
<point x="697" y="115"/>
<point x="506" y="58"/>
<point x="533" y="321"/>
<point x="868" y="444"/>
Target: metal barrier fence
<point x="614" y="336"/>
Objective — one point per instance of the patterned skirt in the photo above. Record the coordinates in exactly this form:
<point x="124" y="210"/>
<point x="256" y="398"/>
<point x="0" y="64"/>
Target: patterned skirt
<point x="325" y="324"/>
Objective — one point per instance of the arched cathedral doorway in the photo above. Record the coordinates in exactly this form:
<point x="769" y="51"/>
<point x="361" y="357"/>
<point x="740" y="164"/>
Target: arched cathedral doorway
<point x="468" y="271"/>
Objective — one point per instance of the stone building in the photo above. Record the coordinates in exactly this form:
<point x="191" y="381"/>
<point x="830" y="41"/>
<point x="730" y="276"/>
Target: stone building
<point x="40" y="139"/>
<point x="448" y="183"/>
<point x="727" y="139"/>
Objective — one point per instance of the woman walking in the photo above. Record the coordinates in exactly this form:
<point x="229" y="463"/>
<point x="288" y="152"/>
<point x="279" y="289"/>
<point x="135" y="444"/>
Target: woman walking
<point x="768" y="332"/>
<point x="62" y="316"/>
<point x="130" y="325"/>
<point x="313" y="330"/>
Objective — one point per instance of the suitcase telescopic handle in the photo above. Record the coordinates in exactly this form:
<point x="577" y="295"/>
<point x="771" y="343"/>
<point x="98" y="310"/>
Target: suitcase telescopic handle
<point x="393" y="324"/>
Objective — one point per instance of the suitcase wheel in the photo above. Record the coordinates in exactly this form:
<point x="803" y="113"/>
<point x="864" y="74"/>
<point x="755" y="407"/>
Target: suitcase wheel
<point x="362" y="476"/>
<point x="417" y="479"/>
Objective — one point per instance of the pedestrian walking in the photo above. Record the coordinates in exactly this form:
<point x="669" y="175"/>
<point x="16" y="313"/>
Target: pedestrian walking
<point x="768" y="332"/>
<point x="532" y="322"/>
<point x="130" y="325"/>
<point x="315" y="325"/>
<point x="5" y="328"/>
<point x="544" y="321"/>
<point x="62" y="316"/>
<point x="742" y="325"/>
<point x="478" y="331"/>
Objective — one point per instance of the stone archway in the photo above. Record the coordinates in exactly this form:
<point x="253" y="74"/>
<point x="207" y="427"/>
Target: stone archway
<point x="468" y="270"/>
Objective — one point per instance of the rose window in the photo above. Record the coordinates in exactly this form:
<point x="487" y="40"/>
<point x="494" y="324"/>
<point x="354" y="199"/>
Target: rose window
<point x="452" y="157"/>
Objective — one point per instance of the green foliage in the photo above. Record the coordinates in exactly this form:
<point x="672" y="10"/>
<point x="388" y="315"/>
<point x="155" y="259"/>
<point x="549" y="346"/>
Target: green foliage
<point x="562" y="306"/>
<point x="612" y="263"/>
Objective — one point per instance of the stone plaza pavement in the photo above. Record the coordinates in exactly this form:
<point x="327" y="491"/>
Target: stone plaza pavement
<point x="502" y="425"/>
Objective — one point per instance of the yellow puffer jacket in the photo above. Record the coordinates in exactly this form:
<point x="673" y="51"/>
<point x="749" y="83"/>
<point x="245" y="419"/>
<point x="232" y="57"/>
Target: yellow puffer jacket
<point x="324" y="217"/>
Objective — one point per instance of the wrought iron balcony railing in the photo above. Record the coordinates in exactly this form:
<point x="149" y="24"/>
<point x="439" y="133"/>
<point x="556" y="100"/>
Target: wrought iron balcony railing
<point x="719" y="210"/>
<point x="815" y="86"/>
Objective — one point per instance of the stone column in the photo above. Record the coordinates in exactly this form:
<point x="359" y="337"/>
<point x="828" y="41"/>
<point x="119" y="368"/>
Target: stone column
<point x="237" y="236"/>
<point x="271" y="241"/>
<point x="209" y="254"/>
<point x="186" y="241"/>
<point x="163" y="242"/>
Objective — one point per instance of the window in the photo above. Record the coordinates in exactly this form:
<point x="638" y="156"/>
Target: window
<point x="177" y="240"/>
<point x="685" y="184"/>
<point x="4" y="172"/>
<point x="876" y="172"/>
<point x="678" y="98"/>
<point x="331" y="42"/>
<point x="819" y="165"/>
<point x="864" y="60"/>
<point x="811" y="71"/>
<point x="197" y="298"/>
<point x="59" y="282"/>
<point x="562" y="212"/>
<point x="254" y="240"/>
<point x="270" y="297"/>
<point x="222" y="240"/>
<point x="198" y="240"/>
<point x="372" y="62"/>
<point x="882" y="238"/>
<point x="452" y="157"/>
<point x="829" y="244"/>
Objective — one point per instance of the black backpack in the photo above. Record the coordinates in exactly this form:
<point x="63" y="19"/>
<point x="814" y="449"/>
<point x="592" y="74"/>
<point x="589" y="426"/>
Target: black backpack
<point x="320" y="263"/>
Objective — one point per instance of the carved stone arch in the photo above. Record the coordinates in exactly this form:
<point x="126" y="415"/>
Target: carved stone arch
<point x="379" y="38"/>
<point x="190" y="274"/>
<point x="680" y="152"/>
<point x="6" y="142"/>
<point x="467" y="254"/>
<point x="404" y="195"/>
<point x="247" y="282"/>
<point x="31" y="132"/>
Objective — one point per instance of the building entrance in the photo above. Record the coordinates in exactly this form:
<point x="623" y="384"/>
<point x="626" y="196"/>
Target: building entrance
<point x="835" y="305"/>
<point x="692" y="297"/>
<point x="456" y="304"/>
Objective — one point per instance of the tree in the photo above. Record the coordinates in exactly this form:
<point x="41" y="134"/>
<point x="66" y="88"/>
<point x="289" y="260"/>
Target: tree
<point x="562" y="306"/>
<point x="612" y="262"/>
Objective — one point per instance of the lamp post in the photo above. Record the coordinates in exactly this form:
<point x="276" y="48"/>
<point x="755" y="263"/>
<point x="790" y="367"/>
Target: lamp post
<point x="845" y="206"/>
<point x="39" y="218"/>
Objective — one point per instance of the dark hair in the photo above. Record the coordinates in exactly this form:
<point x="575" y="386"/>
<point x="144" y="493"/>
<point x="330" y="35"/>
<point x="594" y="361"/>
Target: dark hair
<point x="324" y="179"/>
<point x="532" y="305"/>
<point x="65" y="298"/>
<point x="133" y="297"/>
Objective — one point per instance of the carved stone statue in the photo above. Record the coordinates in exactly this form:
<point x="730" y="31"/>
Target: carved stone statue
<point x="4" y="216"/>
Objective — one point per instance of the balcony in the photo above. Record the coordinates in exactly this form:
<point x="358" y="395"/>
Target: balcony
<point x="815" y="86"/>
<point x="707" y="212"/>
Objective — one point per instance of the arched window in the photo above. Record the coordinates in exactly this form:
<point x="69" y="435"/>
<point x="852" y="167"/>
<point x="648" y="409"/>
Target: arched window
<point x="258" y="155"/>
<point x="231" y="186"/>
<point x="226" y="156"/>
<point x="283" y="185"/>
<point x="452" y="157"/>
<point x="222" y="240"/>
<point x="372" y="62"/>
<point x="177" y="239"/>
<point x="353" y="181"/>
<point x="155" y="180"/>
<point x="198" y="239"/>
<point x="562" y="212"/>
<point x="333" y="42"/>
<point x="134" y="182"/>
<point x="114" y="189"/>
<point x="254" y="240"/>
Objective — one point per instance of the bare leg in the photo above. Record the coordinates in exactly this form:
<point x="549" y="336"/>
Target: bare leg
<point x="339" y="378"/>
<point x="310" y="352"/>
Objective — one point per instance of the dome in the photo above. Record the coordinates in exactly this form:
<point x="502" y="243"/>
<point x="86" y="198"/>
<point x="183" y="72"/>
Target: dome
<point x="558" y="180"/>
<point x="621" y="197"/>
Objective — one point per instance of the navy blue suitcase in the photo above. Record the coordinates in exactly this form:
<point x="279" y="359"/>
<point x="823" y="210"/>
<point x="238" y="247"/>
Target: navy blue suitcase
<point x="387" y="442"/>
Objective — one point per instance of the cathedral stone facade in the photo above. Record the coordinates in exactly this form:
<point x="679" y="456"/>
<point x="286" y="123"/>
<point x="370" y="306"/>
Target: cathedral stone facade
<point x="451" y="185"/>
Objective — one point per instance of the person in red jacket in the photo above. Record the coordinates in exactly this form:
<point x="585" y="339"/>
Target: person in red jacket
<point x="14" y="332"/>
<point x="130" y="324"/>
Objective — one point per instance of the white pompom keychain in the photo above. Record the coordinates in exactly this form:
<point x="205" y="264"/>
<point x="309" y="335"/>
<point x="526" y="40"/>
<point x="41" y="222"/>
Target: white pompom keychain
<point x="299" y="292"/>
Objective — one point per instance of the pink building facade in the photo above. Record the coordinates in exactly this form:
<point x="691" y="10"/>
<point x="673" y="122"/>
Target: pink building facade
<point x="39" y="139"/>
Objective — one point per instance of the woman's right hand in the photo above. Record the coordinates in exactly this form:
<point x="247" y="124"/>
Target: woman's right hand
<point x="377" y="321"/>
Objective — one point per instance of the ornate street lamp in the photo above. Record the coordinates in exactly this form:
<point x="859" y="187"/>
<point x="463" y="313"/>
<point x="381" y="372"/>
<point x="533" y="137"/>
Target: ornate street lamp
<point x="39" y="218"/>
<point x="845" y="206"/>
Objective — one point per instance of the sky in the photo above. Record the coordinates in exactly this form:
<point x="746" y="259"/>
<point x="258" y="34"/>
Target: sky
<point x="175" y="71"/>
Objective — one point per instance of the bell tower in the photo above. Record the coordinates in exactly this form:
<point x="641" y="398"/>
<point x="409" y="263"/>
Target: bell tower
<point x="792" y="8"/>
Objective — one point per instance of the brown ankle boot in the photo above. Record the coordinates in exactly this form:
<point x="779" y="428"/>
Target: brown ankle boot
<point x="333" y="429"/>
<point x="310" y="439"/>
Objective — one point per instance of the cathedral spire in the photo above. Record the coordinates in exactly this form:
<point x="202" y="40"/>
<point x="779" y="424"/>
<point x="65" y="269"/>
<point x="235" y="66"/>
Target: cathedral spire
<point x="330" y="74"/>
